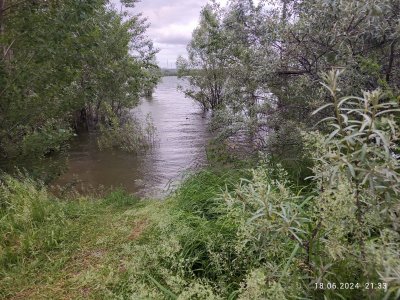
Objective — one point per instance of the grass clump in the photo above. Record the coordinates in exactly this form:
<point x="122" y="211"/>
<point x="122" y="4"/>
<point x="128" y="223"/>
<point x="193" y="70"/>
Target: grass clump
<point x="47" y="243"/>
<point x="197" y="194"/>
<point x="26" y="212"/>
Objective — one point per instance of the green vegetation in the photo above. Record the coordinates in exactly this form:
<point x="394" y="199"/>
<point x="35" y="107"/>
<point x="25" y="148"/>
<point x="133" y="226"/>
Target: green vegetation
<point x="49" y="246"/>
<point x="90" y="247"/>
<point x="131" y="136"/>
<point x="224" y="234"/>
<point x="227" y="233"/>
<point x="67" y="67"/>
<point x="258" y="67"/>
<point x="311" y="86"/>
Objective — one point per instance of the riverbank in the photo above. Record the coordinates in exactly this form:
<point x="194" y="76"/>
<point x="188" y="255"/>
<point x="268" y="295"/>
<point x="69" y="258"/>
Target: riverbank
<point x="223" y="234"/>
<point x="95" y="247"/>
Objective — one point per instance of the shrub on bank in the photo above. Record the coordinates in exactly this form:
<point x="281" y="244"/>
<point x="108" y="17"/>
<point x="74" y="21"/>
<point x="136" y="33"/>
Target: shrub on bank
<point x="260" y="238"/>
<point x="268" y="239"/>
<point x="222" y="237"/>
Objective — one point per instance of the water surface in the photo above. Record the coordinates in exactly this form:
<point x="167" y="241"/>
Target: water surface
<point x="180" y="148"/>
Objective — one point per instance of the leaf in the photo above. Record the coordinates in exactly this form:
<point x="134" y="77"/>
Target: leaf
<point x="344" y="99"/>
<point x="383" y="138"/>
<point x="256" y="215"/>
<point x="350" y="128"/>
<point x="329" y="89"/>
<point x="349" y="167"/>
<point x="332" y="135"/>
<point x="324" y="120"/>
<point x="286" y="268"/>
<point x="166" y="291"/>
<point x="366" y="177"/>
<point x="345" y="118"/>
<point x="306" y="201"/>
<point x="321" y="108"/>
<point x="295" y="236"/>
<point x="387" y="111"/>
<point x="363" y="151"/>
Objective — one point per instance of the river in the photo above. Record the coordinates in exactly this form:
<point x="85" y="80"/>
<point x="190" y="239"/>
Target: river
<point x="181" y="137"/>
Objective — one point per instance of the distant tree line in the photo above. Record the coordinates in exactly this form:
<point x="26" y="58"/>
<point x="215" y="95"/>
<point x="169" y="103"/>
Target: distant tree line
<point x="169" y="72"/>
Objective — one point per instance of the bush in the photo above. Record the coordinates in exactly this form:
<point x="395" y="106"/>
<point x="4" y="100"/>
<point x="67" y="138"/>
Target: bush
<point x="266" y="238"/>
<point x="129" y="136"/>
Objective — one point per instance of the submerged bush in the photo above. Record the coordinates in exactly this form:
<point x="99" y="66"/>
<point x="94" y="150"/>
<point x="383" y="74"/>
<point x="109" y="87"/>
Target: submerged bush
<point x="129" y="136"/>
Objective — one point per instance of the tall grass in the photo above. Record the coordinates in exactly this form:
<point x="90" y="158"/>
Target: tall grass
<point x="40" y="235"/>
<point x="224" y="234"/>
<point x="197" y="194"/>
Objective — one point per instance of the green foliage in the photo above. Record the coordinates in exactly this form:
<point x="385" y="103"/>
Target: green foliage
<point x="224" y="234"/>
<point x="196" y="195"/>
<point x="364" y="136"/>
<point x="207" y="59"/>
<point x="358" y="179"/>
<point x="32" y="223"/>
<point x="129" y="136"/>
<point x="265" y="238"/>
<point x="270" y="57"/>
<point x="120" y="198"/>
<point x="61" y="63"/>
<point x="221" y="237"/>
<point x="46" y="239"/>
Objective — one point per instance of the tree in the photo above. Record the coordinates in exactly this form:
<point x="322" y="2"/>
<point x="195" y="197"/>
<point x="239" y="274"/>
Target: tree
<point x="273" y="55"/>
<point x="206" y="65"/>
<point x="66" y="65"/>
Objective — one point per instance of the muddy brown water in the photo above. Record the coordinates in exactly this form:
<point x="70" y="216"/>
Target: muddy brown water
<point x="179" y="149"/>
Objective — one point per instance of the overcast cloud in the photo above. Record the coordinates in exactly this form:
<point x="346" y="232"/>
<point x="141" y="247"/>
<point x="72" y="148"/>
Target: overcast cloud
<point x="171" y="25"/>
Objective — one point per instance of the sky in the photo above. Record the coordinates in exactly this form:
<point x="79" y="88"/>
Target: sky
<point x="171" y="25"/>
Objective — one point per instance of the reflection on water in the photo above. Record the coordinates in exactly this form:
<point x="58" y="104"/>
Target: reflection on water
<point x="181" y="138"/>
